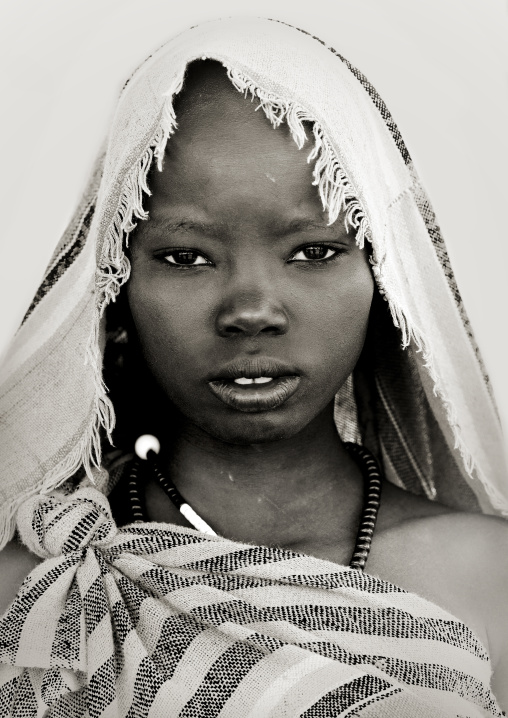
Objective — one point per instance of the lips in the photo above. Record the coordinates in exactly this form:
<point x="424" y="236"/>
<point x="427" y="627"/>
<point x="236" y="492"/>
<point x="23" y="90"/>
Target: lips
<point x="255" y="385"/>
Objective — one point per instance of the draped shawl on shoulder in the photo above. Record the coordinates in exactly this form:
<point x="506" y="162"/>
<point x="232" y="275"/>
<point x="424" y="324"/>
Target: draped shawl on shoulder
<point x="436" y="430"/>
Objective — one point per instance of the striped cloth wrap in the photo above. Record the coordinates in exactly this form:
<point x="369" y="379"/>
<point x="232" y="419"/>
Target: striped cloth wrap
<point x="158" y="620"/>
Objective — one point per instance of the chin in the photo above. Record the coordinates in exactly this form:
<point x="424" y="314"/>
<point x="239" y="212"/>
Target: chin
<point x="256" y="428"/>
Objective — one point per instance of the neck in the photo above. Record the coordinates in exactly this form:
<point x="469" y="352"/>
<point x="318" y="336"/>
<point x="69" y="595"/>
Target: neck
<point x="286" y="493"/>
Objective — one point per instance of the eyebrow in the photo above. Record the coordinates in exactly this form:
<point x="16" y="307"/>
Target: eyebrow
<point x="217" y="230"/>
<point x="303" y="225"/>
<point x="187" y="225"/>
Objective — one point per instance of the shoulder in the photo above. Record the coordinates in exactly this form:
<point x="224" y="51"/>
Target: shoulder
<point x="16" y="562"/>
<point x="459" y="561"/>
<point x="467" y="542"/>
<point x="465" y="545"/>
<point x="462" y="556"/>
<point x="473" y="550"/>
<point x="484" y="537"/>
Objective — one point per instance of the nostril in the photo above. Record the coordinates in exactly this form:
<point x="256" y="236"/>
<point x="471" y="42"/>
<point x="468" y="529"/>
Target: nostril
<point x="272" y="330"/>
<point x="251" y="330"/>
<point x="265" y="320"/>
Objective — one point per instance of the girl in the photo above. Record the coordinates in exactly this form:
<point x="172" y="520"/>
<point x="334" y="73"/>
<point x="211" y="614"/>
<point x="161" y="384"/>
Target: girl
<point x="287" y="517"/>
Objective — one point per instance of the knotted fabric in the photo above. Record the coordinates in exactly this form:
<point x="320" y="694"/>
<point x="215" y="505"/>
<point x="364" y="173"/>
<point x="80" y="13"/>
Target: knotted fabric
<point x="49" y="527"/>
<point x="158" y="620"/>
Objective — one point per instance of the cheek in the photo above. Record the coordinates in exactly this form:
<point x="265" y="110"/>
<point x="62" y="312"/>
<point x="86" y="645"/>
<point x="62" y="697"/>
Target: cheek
<point x="355" y="304"/>
<point x="336" y="317"/>
<point x="170" y="324"/>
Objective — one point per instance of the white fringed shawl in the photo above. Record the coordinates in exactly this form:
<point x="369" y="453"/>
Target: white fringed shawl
<point x="139" y="598"/>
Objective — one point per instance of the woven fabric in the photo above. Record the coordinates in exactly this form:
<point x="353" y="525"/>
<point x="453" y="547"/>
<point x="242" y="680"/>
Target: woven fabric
<point x="154" y="620"/>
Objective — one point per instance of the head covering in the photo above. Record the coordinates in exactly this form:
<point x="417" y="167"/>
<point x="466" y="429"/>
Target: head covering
<point x="432" y="418"/>
<point x="153" y="619"/>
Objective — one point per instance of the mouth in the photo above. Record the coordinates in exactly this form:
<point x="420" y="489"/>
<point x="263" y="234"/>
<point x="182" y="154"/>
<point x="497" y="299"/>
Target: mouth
<point x="255" y="385"/>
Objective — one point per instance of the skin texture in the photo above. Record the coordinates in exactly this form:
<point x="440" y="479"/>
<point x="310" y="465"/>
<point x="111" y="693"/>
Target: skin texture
<point x="238" y="196"/>
<point x="253" y="300"/>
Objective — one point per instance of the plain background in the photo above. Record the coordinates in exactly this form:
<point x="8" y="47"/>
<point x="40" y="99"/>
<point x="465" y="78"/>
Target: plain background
<point x="440" y="65"/>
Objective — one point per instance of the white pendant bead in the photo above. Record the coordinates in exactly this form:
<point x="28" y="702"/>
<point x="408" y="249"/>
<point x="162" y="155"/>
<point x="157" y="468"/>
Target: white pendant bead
<point x="146" y="443"/>
<point x="196" y="520"/>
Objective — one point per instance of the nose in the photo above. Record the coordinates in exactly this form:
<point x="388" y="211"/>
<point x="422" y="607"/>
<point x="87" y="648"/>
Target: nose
<point x="250" y="313"/>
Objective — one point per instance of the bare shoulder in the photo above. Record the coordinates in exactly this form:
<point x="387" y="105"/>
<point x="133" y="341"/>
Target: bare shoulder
<point x="473" y="549"/>
<point x="459" y="561"/>
<point x="471" y="539"/>
<point x="460" y="557"/>
<point x="464" y="544"/>
<point x="16" y="562"/>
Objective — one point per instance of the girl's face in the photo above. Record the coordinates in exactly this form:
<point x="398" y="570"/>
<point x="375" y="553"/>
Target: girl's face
<point x="251" y="312"/>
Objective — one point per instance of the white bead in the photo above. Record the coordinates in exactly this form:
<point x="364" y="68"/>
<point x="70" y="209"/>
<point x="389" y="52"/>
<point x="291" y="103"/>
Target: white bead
<point x="146" y="443"/>
<point x="196" y="520"/>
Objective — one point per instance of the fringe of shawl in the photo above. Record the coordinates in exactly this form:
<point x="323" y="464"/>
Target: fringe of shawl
<point x="334" y="187"/>
<point x="113" y="271"/>
<point x="411" y="335"/>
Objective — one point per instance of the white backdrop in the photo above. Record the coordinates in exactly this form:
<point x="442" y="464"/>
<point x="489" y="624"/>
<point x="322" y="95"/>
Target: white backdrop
<point x="440" y="65"/>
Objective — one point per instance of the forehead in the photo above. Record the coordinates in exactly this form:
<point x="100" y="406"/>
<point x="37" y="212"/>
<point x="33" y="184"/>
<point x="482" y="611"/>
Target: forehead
<point x="226" y="160"/>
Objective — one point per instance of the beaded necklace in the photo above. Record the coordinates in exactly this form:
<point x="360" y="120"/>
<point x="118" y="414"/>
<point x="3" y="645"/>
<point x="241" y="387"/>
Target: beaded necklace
<point x="147" y="447"/>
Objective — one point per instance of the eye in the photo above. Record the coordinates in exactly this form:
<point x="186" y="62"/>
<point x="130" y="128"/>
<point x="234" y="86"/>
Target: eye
<point x="186" y="258"/>
<point x="314" y="252"/>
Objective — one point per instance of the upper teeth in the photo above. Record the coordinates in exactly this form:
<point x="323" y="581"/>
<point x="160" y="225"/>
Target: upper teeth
<point x="256" y="380"/>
